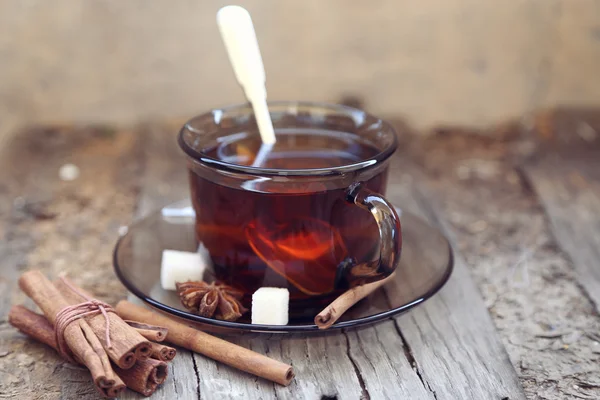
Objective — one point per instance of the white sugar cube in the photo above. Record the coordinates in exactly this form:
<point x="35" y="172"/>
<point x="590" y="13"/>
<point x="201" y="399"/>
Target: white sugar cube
<point x="180" y="266"/>
<point x="270" y="306"/>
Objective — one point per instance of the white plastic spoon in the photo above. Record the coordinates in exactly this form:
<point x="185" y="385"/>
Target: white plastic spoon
<point x="240" y="41"/>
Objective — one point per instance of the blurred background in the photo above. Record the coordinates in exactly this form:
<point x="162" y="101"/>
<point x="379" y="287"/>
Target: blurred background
<point x="432" y="62"/>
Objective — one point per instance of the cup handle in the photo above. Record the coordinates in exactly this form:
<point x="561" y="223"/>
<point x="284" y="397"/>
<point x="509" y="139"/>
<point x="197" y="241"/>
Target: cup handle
<point x="390" y="234"/>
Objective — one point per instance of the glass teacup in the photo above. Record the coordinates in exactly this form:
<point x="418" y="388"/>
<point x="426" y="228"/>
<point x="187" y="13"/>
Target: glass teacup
<point x="312" y="217"/>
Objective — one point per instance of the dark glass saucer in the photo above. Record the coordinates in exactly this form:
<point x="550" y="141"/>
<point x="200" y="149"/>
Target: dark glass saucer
<point x="425" y="266"/>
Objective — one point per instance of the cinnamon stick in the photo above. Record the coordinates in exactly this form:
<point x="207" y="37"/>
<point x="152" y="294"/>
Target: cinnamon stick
<point x="85" y="347"/>
<point x="210" y="346"/>
<point x="150" y="332"/>
<point x="144" y="377"/>
<point x="32" y="324"/>
<point x="162" y="352"/>
<point x="339" y="306"/>
<point x="127" y="345"/>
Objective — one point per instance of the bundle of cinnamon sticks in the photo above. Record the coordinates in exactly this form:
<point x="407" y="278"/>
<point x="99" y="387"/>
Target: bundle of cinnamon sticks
<point x="117" y="355"/>
<point x="119" y="348"/>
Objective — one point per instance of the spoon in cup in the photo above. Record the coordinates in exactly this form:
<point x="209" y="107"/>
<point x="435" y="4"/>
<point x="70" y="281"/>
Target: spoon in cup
<point x="239" y="37"/>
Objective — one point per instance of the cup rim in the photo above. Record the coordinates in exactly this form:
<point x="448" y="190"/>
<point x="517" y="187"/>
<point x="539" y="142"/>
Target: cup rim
<point x="215" y="163"/>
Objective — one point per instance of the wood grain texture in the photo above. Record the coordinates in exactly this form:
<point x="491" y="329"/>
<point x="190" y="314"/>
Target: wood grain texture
<point x="379" y="355"/>
<point x="59" y="226"/>
<point x="316" y="375"/>
<point x="17" y="212"/>
<point x="568" y="185"/>
<point x="529" y="285"/>
<point x="451" y="338"/>
<point x="323" y="368"/>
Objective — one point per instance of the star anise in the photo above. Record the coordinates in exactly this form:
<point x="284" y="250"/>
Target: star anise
<point x="211" y="299"/>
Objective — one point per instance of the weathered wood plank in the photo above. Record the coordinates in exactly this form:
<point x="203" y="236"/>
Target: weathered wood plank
<point x="17" y="163"/>
<point x="529" y="285"/>
<point x="59" y="226"/>
<point x="379" y="354"/>
<point x="321" y="364"/>
<point x="568" y="186"/>
<point x="219" y="381"/>
<point x="451" y="339"/>
<point x="323" y="368"/>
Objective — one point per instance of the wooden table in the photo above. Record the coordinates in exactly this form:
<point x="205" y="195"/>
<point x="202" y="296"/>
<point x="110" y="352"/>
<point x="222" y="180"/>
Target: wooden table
<point x="518" y="318"/>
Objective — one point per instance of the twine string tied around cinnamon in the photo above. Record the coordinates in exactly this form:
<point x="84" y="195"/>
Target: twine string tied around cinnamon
<point x="72" y="313"/>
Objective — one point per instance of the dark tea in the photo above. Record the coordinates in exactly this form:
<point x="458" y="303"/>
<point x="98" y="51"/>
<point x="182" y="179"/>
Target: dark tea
<point x="298" y="234"/>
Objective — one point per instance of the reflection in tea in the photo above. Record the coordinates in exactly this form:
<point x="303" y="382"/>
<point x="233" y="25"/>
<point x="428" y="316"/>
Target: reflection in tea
<point x="295" y="238"/>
